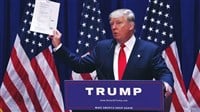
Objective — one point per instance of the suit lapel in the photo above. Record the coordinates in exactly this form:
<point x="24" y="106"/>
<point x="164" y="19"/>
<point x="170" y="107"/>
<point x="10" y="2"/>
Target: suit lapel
<point x="134" y="58"/>
<point x="109" y="60"/>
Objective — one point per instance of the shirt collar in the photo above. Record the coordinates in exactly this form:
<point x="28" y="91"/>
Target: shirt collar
<point x="130" y="43"/>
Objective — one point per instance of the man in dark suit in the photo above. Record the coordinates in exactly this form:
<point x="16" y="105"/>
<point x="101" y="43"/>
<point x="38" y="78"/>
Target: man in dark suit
<point x="140" y="60"/>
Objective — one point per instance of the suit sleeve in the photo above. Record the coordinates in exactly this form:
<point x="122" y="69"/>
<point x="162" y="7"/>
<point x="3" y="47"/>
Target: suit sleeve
<point x="160" y="69"/>
<point x="77" y="63"/>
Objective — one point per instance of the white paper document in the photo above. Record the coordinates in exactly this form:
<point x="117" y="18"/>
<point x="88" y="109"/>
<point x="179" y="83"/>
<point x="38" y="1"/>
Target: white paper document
<point x="45" y="17"/>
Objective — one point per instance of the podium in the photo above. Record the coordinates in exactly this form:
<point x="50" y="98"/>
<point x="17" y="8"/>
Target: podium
<point x="123" y="95"/>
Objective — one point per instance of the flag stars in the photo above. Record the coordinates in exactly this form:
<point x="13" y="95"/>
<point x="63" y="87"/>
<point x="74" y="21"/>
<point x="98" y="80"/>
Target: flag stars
<point x="41" y="36"/>
<point x="164" y="33"/>
<point x="99" y="20"/>
<point x="32" y="50"/>
<point x="77" y="50"/>
<point x="96" y="38"/>
<point x="47" y="38"/>
<point x="166" y="15"/>
<point x="84" y="25"/>
<point x="155" y="1"/>
<point x="157" y="26"/>
<point x="23" y="29"/>
<point x="147" y="8"/>
<point x="29" y="32"/>
<point x="99" y="12"/>
<point x="171" y="26"/>
<point x="35" y="34"/>
<point x="161" y="4"/>
<point x="86" y="15"/>
<point x="170" y="35"/>
<point x="33" y="42"/>
<point x="143" y="27"/>
<point x="39" y="44"/>
<point x="157" y="30"/>
<point x="29" y="4"/>
<point x="89" y="36"/>
<point x="33" y="5"/>
<point x="93" y="18"/>
<point x="150" y="29"/>
<point x="83" y="4"/>
<point x="81" y="33"/>
<point x="97" y="29"/>
<point x="88" y="7"/>
<point x="27" y="12"/>
<point x="103" y="31"/>
<point x="160" y="13"/>
<point x="162" y="42"/>
<point x="79" y="42"/>
<point x="153" y="11"/>
<point x="145" y="18"/>
<point x="149" y="37"/>
<point x="94" y="9"/>
<point x="167" y="6"/>
<point x="155" y="40"/>
<point x="165" y="24"/>
<point x="152" y="20"/>
<point x="86" y="44"/>
<point x="91" y="27"/>
<point x="158" y="22"/>
<point x="25" y="21"/>
<point x="27" y="40"/>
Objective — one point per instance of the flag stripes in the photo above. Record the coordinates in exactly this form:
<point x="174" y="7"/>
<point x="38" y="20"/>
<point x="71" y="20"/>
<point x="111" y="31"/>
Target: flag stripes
<point x="179" y="98"/>
<point x="158" y="28"/>
<point x="25" y="84"/>
<point x="3" y="104"/>
<point x="194" y="87"/>
<point x="29" y="85"/>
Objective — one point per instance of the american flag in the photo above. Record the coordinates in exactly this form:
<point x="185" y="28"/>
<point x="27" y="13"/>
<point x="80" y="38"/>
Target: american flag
<point x="194" y="88"/>
<point x="158" y="28"/>
<point x="91" y="31"/>
<point x="31" y="81"/>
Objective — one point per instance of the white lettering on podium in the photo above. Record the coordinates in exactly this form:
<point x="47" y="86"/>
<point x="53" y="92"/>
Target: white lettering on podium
<point x="136" y="91"/>
<point x="89" y="90"/>
<point x="125" y="91"/>
<point x="113" y="91"/>
<point x="100" y="91"/>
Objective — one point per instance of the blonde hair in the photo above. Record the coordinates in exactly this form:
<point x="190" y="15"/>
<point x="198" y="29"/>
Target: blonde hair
<point x="123" y="12"/>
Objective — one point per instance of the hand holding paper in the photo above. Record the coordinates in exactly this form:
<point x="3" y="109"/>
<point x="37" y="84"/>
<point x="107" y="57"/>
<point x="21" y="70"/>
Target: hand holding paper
<point x="45" y="17"/>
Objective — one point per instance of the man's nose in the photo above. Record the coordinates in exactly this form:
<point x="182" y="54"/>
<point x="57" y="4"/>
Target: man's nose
<point x="114" y="26"/>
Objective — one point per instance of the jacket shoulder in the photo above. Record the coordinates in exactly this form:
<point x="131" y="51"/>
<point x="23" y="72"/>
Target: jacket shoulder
<point x="105" y="43"/>
<point x="147" y="45"/>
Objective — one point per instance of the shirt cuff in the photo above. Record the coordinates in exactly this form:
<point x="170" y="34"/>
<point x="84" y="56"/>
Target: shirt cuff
<point x="58" y="47"/>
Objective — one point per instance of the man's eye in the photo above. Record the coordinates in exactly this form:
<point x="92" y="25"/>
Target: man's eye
<point x="119" y="23"/>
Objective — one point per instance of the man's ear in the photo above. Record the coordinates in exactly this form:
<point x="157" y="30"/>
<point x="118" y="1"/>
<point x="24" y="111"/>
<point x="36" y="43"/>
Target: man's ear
<point x="132" y="26"/>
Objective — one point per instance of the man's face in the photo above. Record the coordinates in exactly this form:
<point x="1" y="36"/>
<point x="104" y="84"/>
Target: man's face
<point x="121" y="28"/>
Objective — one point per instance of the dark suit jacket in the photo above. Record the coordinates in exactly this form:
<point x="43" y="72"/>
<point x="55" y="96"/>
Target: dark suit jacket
<point x="145" y="62"/>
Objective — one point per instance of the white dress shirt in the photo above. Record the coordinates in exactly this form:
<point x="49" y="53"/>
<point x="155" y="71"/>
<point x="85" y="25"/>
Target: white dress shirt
<point x="127" y="49"/>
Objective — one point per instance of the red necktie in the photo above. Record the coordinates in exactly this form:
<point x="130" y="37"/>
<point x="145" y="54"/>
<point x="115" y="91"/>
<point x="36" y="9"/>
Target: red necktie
<point x="121" y="61"/>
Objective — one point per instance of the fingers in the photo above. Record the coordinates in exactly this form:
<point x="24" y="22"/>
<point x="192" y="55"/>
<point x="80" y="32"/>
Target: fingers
<point x="168" y="89"/>
<point x="56" y="35"/>
<point x="55" y="38"/>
